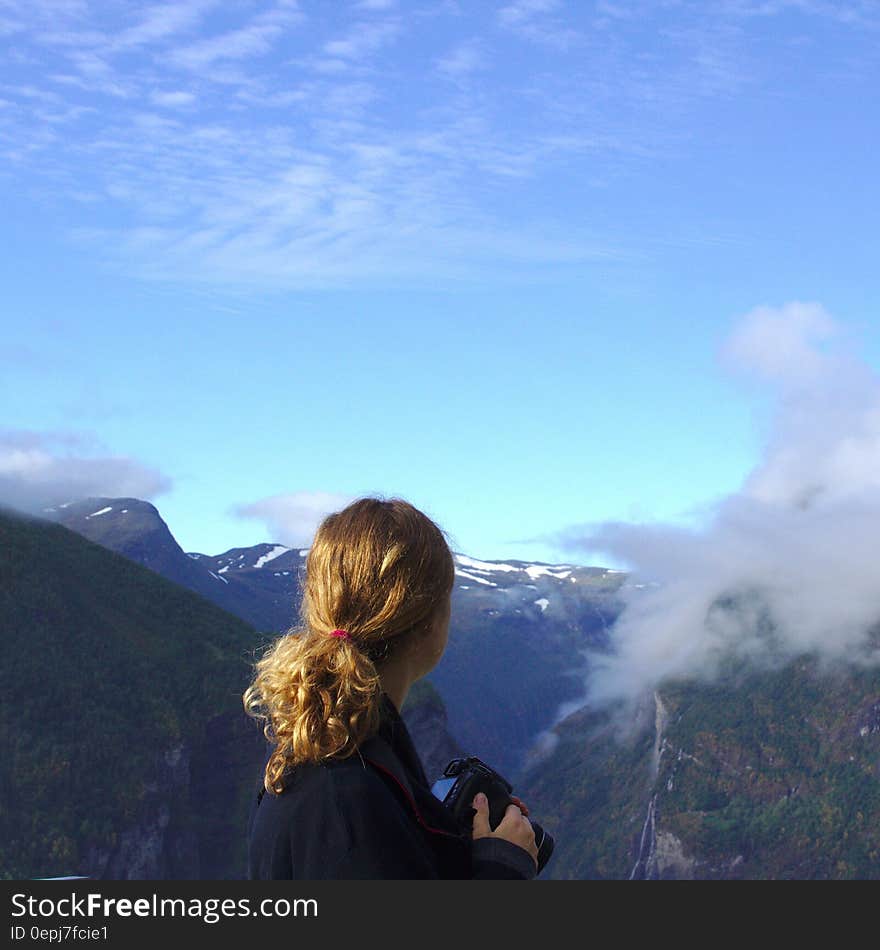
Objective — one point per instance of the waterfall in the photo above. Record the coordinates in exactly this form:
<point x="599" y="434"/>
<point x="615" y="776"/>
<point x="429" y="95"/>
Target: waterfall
<point x="648" y="840"/>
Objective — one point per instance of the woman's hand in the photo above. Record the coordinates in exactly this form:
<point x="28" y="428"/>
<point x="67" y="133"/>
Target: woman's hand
<point x="513" y="827"/>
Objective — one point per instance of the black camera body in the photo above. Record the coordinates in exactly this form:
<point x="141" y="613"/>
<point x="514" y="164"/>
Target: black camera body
<point x="464" y="778"/>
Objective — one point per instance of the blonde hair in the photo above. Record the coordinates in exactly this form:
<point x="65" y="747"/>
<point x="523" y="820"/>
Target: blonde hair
<point x="380" y="570"/>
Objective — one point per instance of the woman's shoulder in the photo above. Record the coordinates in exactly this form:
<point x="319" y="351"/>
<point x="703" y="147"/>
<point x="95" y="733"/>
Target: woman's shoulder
<point x="333" y="819"/>
<point x="351" y="781"/>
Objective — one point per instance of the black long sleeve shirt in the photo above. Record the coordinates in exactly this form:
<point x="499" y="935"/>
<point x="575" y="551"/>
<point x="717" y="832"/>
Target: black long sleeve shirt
<point x="370" y="816"/>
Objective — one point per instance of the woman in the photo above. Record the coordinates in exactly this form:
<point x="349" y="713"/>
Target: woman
<point x="344" y="793"/>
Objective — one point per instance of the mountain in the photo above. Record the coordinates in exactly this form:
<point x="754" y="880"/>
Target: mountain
<point x="543" y="615"/>
<point x="767" y="773"/>
<point x="516" y="655"/>
<point x="126" y="752"/>
<point x="233" y="581"/>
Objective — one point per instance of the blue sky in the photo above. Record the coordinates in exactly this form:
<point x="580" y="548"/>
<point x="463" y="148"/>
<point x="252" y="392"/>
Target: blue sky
<point x="261" y="258"/>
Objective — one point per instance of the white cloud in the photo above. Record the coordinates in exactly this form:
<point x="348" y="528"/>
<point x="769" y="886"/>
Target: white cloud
<point x="294" y="517"/>
<point x="465" y="59"/>
<point x="237" y="44"/>
<point x="162" y="20"/>
<point x="173" y="99"/>
<point x="253" y="39"/>
<point x="363" y="40"/>
<point x="793" y="550"/>
<point x="784" y="344"/>
<point x="534" y="20"/>
<point x="523" y="10"/>
<point x="42" y="469"/>
<point x="825" y="438"/>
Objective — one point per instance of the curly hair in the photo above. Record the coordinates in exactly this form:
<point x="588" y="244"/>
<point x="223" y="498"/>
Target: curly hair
<point x="380" y="570"/>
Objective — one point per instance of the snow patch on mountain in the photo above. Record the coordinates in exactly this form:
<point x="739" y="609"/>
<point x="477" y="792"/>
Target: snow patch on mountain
<point x="484" y="566"/>
<point x="537" y="570"/>
<point x="277" y="551"/>
<point x="473" y="577"/>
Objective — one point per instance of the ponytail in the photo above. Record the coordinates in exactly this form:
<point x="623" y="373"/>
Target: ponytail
<point x="319" y="696"/>
<point x="380" y="569"/>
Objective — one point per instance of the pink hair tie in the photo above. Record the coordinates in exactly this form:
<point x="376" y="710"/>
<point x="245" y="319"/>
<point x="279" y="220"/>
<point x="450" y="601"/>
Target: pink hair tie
<point x="340" y="634"/>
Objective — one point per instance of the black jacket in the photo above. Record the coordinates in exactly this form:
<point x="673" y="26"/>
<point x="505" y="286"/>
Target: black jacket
<point x="369" y="816"/>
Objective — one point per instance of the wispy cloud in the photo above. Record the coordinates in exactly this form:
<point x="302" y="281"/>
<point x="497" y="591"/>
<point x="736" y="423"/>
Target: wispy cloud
<point x="42" y="469"/>
<point x="294" y="517"/>
<point x="272" y="143"/>
<point x="364" y="40"/>
<point x="537" y="20"/>
<point x="464" y="60"/>
<point x="525" y="11"/>
<point x="173" y="100"/>
<point x="162" y="20"/>
<point x="856" y="12"/>
<point x="256" y="38"/>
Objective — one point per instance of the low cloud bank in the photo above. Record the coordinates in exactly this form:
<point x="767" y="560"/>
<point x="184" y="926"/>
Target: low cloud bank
<point x="39" y="470"/>
<point x="788" y="563"/>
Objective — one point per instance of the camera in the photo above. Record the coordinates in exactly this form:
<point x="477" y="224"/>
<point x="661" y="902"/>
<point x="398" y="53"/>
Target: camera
<point x="463" y="778"/>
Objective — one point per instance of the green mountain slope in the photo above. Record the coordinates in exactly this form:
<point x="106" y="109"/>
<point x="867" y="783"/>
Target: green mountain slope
<point x="125" y="752"/>
<point x="769" y="774"/>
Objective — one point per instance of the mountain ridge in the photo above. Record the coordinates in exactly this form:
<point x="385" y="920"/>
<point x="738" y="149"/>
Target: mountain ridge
<point x="127" y="753"/>
<point x="548" y="615"/>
